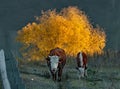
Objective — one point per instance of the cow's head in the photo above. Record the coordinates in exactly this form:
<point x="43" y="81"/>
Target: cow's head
<point x="54" y="61"/>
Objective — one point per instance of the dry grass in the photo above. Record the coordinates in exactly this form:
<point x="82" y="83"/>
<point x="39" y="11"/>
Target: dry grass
<point x="103" y="73"/>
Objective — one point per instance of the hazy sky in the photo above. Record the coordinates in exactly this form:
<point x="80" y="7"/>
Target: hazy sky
<point x="14" y="14"/>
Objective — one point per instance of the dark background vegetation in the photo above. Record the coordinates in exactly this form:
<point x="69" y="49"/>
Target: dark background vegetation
<point x="15" y="14"/>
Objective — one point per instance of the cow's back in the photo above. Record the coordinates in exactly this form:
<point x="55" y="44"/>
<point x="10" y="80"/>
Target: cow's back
<point x="84" y="59"/>
<point x="58" y="52"/>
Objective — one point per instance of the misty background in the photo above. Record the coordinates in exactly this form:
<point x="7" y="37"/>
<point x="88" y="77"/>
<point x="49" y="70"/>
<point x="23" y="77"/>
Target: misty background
<point x="15" y="14"/>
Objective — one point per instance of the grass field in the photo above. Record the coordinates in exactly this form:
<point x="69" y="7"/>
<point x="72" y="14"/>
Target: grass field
<point x="102" y="74"/>
<point x="104" y="79"/>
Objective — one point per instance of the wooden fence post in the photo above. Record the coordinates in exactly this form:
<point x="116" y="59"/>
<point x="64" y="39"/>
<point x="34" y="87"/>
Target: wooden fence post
<point x="3" y="72"/>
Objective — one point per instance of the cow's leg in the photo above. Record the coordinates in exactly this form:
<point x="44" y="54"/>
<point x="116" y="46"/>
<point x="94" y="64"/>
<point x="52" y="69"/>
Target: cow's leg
<point x="85" y="74"/>
<point x="85" y="71"/>
<point x="81" y="72"/>
<point x="59" y="74"/>
<point x="53" y="76"/>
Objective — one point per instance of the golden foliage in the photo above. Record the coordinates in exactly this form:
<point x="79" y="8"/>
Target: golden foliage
<point x="69" y="29"/>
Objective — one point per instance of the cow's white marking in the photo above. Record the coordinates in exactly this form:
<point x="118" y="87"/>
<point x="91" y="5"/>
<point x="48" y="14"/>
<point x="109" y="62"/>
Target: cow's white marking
<point x="81" y="69"/>
<point x="54" y="62"/>
<point x="81" y="59"/>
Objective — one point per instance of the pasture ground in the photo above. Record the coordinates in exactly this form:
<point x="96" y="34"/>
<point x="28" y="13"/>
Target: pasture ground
<point x="100" y="76"/>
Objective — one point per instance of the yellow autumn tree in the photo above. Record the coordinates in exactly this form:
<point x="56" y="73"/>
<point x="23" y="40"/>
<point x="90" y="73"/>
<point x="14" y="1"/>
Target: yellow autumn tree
<point x="68" y="29"/>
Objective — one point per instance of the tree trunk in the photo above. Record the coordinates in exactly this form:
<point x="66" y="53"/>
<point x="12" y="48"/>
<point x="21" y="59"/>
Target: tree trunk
<point x="6" y="83"/>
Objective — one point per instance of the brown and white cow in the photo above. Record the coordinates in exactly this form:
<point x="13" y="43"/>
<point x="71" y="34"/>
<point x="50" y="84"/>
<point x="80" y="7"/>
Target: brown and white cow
<point x="56" y="60"/>
<point x="81" y="60"/>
